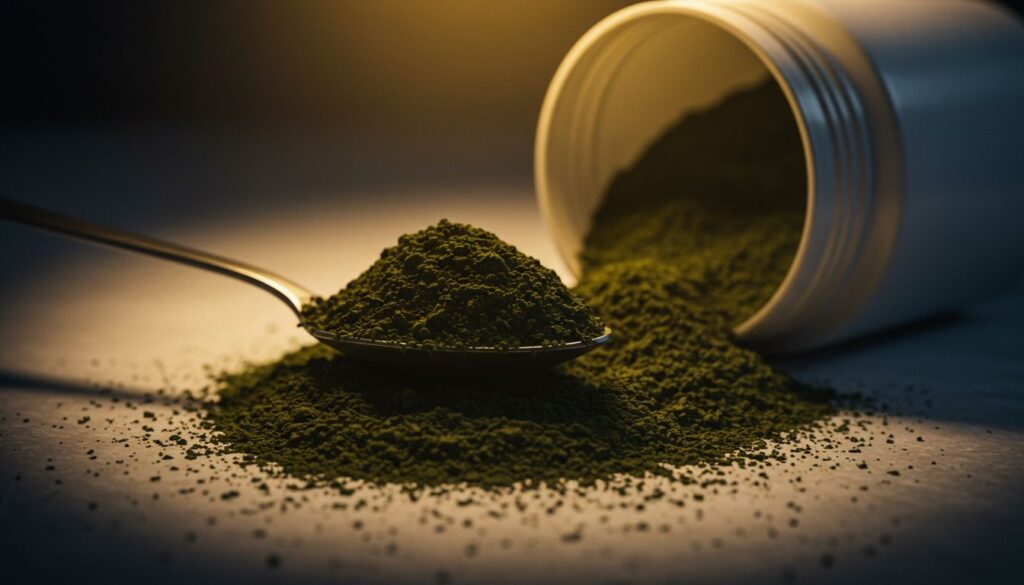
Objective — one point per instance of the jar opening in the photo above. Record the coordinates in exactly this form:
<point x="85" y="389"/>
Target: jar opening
<point x="637" y="99"/>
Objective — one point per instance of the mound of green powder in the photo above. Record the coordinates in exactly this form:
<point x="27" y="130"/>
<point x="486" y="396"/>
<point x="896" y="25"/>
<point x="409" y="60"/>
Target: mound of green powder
<point x="691" y="240"/>
<point x="454" y="285"/>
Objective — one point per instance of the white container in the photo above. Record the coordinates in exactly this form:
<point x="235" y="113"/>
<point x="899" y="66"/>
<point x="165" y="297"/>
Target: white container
<point x="912" y="119"/>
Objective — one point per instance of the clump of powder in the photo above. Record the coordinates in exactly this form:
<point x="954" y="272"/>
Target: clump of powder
<point x="454" y="285"/>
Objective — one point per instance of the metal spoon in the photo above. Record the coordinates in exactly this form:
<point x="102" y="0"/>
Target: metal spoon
<point x="394" y="354"/>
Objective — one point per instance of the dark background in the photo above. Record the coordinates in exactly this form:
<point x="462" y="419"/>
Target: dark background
<point x="423" y="64"/>
<point x="413" y="65"/>
<point x="408" y="78"/>
<point x="118" y="111"/>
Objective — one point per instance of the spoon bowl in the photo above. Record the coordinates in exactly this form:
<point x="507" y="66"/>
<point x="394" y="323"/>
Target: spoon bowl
<point x="475" y="360"/>
<point x="458" y="361"/>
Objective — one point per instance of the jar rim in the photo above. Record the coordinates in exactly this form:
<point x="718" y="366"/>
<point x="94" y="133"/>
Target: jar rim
<point x="838" y="160"/>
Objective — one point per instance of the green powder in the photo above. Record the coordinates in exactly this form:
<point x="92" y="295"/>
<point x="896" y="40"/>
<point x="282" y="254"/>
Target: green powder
<point x="688" y="242"/>
<point x="453" y="285"/>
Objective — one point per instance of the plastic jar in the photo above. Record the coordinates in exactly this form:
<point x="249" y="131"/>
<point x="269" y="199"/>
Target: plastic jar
<point x="912" y="120"/>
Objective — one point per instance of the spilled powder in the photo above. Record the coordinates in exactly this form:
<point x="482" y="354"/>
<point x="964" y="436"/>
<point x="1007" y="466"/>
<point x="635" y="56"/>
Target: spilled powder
<point x="691" y="240"/>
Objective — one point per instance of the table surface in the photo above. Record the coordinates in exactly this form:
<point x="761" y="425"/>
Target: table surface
<point x="99" y="347"/>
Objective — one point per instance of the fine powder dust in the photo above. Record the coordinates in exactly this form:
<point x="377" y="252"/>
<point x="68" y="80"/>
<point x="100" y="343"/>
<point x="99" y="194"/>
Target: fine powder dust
<point x="690" y="241"/>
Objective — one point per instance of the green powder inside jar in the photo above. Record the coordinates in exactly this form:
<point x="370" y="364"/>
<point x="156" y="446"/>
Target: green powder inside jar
<point x="454" y="285"/>
<point x="690" y="241"/>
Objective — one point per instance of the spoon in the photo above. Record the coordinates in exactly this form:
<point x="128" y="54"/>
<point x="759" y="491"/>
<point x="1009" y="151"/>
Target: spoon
<point x="383" y="353"/>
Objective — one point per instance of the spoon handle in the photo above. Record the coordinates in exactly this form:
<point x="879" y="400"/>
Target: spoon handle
<point x="287" y="291"/>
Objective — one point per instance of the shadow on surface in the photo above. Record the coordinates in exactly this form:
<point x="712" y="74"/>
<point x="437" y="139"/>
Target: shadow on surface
<point x="874" y="341"/>
<point x="964" y="367"/>
<point x="12" y="381"/>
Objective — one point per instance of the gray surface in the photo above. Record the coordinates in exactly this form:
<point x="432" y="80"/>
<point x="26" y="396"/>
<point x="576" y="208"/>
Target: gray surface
<point x="74" y="318"/>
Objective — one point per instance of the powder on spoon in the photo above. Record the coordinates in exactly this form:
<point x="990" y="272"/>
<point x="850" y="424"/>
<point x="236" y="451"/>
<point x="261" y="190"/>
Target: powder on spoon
<point x="688" y="242"/>
<point x="454" y="285"/>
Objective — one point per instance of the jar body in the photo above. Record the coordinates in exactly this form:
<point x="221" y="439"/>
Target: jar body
<point x="913" y="132"/>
